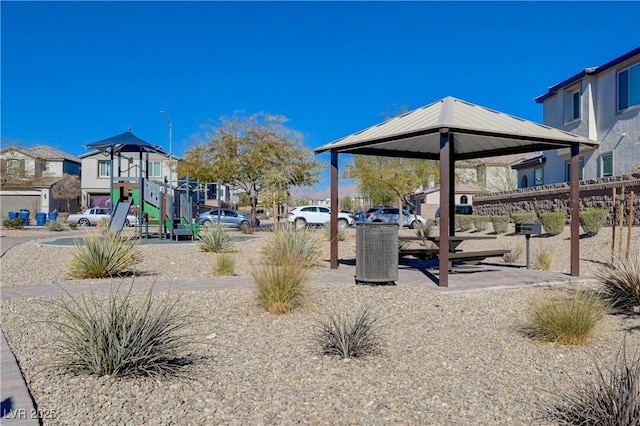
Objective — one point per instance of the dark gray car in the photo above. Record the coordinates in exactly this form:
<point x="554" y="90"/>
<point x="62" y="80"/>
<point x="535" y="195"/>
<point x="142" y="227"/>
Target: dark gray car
<point x="229" y="218"/>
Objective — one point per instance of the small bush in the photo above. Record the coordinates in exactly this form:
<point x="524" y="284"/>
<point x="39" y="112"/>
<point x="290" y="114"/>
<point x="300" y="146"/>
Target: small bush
<point x="569" y="319"/>
<point x="223" y="265"/>
<point x="424" y="230"/>
<point x="280" y="287"/>
<point x="481" y="223"/>
<point x="102" y="254"/>
<point x="524" y="217"/>
<point x="500" y="224"/>
<point x="124" y="336"/>
<point x="543" y="260"/>
<point x="612" y="399"/>
<point x="73" y="225"/>
<point x="326" y="231"/>
<point x="246" y="229"/>
<point x="12" y="223"/>
<point x="553" y="222"/>
<point x="620" y="283"/>
<point x="288" y="245"/>
<point x="592" y="220"/>
<point x="346" y="337"/>
<point x="55" y="225"/>
<point x="465" y="222"/>
<point x="514" y="254"/>
<point x="103" y="224"/>
<point x="215" y="239"/>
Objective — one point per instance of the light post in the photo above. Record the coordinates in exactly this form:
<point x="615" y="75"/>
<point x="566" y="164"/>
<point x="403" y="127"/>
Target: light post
<point x="170" y="149"/>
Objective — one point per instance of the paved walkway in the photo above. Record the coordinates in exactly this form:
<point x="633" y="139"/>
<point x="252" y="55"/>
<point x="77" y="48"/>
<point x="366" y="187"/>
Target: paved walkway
<point x="15" y="396"/>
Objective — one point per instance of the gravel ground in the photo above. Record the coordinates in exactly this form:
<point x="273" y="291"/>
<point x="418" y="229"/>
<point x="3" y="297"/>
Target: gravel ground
<point x="447" y="358"/>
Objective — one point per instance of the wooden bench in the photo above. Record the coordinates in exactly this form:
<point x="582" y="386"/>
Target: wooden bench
<point x="475" y="257"/>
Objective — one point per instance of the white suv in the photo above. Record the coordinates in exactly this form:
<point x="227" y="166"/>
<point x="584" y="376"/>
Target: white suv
<point x="316" y="215"/>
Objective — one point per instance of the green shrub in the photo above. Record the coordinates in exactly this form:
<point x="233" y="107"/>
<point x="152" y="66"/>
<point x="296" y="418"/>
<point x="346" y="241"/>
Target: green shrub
<point x="102" y="254"/>
<point x="465" y="222"/>
<point x="569" y="319"/>
<point x="543" y="260"/>
<point x="12" y="223"/>
<point x="481" y="223"/>
<point x="592" y="220"/>
<point x="121" y="336"/>
<point x="620" y="283"/>
<point x="515" y="253"/>
<point x="524" y="217"/>
<point x="55" y="225"/>
<point x="612" y="398"/>
<point x="215" y="239"/>
<point x="500" y="224"/>
<point x="288" y="245"/>
<point x="326" y="231"/>
<point x="553" y="222"/>
<point x="224" y="265"/>
<point x="346" y="337"/>
<point x="281" y="287"/>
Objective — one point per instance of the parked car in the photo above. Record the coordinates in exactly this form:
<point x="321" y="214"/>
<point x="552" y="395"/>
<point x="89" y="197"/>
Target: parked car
<point x="390" y="215"/>
<point x="93" y="216"/>
<point x="317" y="215"/>
<point x="460" y="209"/>
<point x="229" y="218"/>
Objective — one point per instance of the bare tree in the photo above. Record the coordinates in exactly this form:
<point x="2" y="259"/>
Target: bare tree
<point x="67" y="188"/>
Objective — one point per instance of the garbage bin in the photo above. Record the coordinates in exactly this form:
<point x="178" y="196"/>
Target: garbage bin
<point x="41" y="218"/>
<point x="376" y="252"/>
<point x="53" y="216"/>
<point x="24" y="214"/>
<point x="13" y="215"/>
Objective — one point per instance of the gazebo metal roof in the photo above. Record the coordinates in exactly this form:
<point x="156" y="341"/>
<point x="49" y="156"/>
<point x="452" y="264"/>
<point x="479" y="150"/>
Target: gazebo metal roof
<point x="125" y="142"/>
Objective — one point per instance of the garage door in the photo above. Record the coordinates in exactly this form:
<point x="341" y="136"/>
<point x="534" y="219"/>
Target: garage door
<point x="13" y="203"/>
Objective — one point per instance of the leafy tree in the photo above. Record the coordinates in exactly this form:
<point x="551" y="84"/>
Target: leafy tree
<point x="346" y="203"/>
<point x="68" y="188"/>
<point x="256" y="153"/>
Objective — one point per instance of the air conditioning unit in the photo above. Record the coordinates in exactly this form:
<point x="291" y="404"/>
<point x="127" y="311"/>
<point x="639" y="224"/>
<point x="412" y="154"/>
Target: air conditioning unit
<point x="376" y="252"/>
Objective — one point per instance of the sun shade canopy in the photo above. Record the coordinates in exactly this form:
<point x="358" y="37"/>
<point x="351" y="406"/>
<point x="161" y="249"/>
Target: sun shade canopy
<point x="125" y="142"/>
<point x="479" y="132"/>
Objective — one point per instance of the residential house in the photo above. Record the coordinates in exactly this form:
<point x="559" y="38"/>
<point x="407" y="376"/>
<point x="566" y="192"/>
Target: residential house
<point x="601" y="103"/>
<point x="28" y="176"/>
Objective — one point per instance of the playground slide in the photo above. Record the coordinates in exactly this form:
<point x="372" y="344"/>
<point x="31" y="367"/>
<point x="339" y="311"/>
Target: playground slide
<point x="119" y="215"/>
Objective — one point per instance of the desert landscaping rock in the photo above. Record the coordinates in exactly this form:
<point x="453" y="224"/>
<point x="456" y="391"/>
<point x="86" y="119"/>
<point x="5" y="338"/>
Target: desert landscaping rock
<point x="446" y="358"/>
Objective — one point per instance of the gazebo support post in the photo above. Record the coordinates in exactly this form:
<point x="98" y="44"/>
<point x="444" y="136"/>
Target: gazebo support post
<point x="443" y="255"/>
<point x="334" y="211"/>
<point x="452" y="187"/>
<point x="575" y="211"/>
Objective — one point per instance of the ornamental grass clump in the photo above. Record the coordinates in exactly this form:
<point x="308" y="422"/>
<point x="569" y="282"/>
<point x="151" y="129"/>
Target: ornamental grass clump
<point x="55" y="225"/>
<point x="347" y="336"/>
<point x="553" y="222"/>
<point x="215" y="239"/>
<point x="500" y="224"/>
<point x="224" y="264"/>
<point x="481" y="223"/>
<point x="543" y="260"/>
<point x="288" y="245"/>
<point x="612" y="398"/>
<point x="514" y="254"/>
<point x="568" y="319"/>
<point x="620" y="283"/>
<point x="592" y="220"/>
<point x="103" y="254"/>
<point x="524" y="217"/>
<point x="124" y="335"/>
<point x="12" y="223"/>
<point x="281" y="287"/>
<point x="326" y="232"/>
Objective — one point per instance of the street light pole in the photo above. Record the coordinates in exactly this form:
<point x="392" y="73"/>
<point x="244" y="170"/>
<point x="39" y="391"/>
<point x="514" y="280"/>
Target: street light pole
<point x="170" y="150"/>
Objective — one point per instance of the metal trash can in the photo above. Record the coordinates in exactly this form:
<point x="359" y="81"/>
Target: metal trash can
<point x="41" y="218"/>
<point x="376" y="252"/>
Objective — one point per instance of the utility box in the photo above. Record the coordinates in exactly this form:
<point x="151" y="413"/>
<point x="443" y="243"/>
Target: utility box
<point x="528" y="228"/>
<point x="376" y="252"/>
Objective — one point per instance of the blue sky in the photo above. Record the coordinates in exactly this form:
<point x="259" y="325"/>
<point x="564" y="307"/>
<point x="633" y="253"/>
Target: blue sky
<point x="77" y="72"/>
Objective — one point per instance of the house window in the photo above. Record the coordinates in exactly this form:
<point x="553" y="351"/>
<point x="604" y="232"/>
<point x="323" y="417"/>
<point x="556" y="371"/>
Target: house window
<point x="524" y="182"/>
<point x="464" y="200"/>
<point x="571" y="105"/>
<point x="538" y="176"/>
<point x="606" y="164"/>
<point x="104" y="168"/>
<point x="155" y="169"/>
<point x="629" y="87"/>
<point x="567" y="169"/>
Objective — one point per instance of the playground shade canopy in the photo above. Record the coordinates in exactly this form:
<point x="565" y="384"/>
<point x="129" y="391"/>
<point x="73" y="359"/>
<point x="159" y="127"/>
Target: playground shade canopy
<point x="125" y="142"/>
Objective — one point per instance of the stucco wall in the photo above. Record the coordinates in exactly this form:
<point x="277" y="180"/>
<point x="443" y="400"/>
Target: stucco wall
<point x="593" y="193"/>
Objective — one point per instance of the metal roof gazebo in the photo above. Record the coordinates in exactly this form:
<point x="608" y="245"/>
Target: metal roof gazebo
<point x="448" y="130"/>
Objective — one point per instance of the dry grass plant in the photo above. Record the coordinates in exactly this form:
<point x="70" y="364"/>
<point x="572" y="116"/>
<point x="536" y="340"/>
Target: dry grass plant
<point x="224" y="264"/>
<point x="514" y="255"/>
<point x="465" y="222"/>
<point x="55" y="225"/>
<point x="281" y="287"/>
<point x="326" y="232"/>
<point x="103" y="254"/>
<point x="288" y="245"/>
<point x="348" y="336"/>
<point x="543" y="260"/>
<point x="215" y="239"/>
<point x="569" y="319"/>
<point x="620" y="283"/>
<point x="124" y="335"/>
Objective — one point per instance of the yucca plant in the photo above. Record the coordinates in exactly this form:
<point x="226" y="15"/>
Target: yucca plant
<point x="223" y="265"/>
<point x="121" y="336"/>
<point x="612" y="399"/>
<point x="620" y="283"/>
<point x="553" y="222"/>
<point x="346" y="336"/>
<point x="55" y="225"/>
<point x="215" y="239"/>
<point x="568" y="319"/>
<point x="288" y="245"/>
<point x="326" y="231"/>
<point x="103" y="254"/>
<point x="281" y="287"/>
<point x="543" y="260"/>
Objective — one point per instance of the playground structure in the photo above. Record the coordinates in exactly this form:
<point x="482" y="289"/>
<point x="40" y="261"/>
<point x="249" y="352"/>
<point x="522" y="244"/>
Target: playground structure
<point x="170" y="207"/>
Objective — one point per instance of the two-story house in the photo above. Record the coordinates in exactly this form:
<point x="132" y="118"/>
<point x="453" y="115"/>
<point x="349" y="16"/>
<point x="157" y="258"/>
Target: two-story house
<point x="601" y="103"/>
<point x="28" y="176"/>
